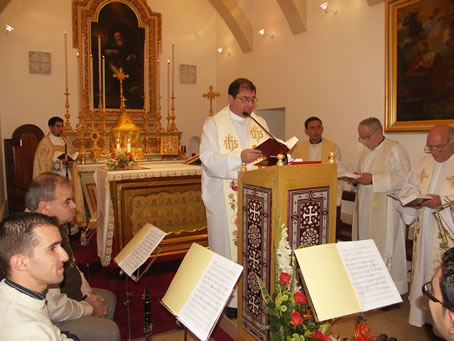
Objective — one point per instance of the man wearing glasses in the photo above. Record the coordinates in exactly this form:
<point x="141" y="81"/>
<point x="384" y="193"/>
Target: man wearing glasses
<point x="440" y="291"/>
<point x="433" y="176"/>
<point x="383" y="166"/>
<point x="227" y="141"/>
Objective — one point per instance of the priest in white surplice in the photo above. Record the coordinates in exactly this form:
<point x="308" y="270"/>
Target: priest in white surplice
<point x="434" y="176"/>
<point x="384" y="166"/>
<point x="226" y="143"/>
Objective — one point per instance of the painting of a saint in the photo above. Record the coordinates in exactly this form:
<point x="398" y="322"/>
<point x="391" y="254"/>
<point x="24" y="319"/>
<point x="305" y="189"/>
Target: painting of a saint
<point x="425" y="61"/>
<point x="122" y="45"/>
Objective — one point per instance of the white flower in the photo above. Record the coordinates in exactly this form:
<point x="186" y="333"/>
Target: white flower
<point x="284" y="252"/>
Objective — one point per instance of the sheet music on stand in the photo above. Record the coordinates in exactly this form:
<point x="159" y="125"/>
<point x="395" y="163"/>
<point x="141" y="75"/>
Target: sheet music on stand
<point x="138" y="250"/>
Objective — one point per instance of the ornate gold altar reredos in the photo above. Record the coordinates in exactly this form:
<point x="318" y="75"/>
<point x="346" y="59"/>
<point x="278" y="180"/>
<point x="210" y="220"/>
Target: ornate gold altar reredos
<point x="118" y="46"/>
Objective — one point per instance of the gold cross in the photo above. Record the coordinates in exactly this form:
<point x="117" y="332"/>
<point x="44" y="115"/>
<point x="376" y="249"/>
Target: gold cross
<point x="120" y="76"/>
<point x="451" y="181"/>
<point x="211" y="96"/>
<point x="422" y="176"/>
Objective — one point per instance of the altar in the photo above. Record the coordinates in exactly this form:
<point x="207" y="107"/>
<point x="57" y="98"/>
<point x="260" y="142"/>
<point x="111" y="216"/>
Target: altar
<point x="165" y="195"/>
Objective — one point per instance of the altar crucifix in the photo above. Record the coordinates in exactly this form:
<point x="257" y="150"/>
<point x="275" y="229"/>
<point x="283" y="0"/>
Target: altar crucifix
<point x="120" y="76"/>
<point x="211" y="95"/>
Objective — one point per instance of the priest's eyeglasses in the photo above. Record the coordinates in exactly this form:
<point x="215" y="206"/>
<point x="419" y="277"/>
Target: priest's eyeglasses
<point x="428" y="290"/>
<point x="438" y="148"/>
<point x="246" y="100"/>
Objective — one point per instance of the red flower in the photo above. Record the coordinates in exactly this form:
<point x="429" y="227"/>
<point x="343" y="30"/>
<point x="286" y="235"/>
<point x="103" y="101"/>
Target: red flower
<point x="300" y="298"/>
<point x="297" y="320"/>
<point x="320" y="336"/>
<point x="284" y="278"/>
<point x="122" y="166"/>
<point x="112" y="155"/>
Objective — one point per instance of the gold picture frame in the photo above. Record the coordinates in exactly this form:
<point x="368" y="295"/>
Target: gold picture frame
<point x="419" y="80"/>
<point x="118" y="16"/>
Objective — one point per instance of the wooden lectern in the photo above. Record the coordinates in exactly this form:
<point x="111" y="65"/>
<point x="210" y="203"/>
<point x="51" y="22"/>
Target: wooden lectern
<point x="304" y="197"/>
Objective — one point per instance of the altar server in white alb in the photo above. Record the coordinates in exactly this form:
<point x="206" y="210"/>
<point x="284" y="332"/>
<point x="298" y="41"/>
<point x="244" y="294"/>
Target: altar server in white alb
<point x="433" y="176"/>
<point x="226" y="143"/>
<point x="384" y="165"/>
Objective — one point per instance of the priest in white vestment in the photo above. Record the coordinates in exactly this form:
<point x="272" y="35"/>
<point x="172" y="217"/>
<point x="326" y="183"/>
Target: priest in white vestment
<point x="384" y="165"/>
<point x="433" y="176"/>
<point x="226" y="143"/>
<point x="46" y="161"/>
<point x="318" y="148"/>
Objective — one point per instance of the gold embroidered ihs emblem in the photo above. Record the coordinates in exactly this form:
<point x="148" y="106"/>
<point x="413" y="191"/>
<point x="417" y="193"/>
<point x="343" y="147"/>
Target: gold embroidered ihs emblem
<point x="451" y="181"/>
<point x="422" y="176"/>
<point x="230" y="143"/>
<point x="256" y="133"/>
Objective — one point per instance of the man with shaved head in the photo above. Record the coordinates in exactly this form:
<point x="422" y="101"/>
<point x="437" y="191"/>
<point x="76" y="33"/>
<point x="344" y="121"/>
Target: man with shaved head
<point x="433" y="176"/>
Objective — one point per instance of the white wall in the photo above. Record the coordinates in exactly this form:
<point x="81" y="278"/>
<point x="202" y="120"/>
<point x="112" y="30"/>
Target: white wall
<point x="334" y="70"/>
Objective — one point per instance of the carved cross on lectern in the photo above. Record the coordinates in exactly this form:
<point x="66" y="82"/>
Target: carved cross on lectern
<point x="120" y="76"/>
<point x="211" y="95"/>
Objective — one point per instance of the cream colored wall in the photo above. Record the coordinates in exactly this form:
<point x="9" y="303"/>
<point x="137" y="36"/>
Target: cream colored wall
<point x="334" y="70"/>
<point x="39" y="26"/>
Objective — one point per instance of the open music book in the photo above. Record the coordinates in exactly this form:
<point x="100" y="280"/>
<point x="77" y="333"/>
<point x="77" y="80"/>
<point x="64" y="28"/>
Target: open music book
<point x="200" y="289"/>
<point x="61" y="156"/>
<point x="139" y="248"/>
<point x="410" y="200"/>
<point x="345" y="278"/>
<point x="345" y="171"/>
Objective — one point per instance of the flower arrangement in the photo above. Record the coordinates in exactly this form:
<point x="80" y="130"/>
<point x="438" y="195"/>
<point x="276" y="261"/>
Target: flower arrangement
<point x="121" y="160"/>
<point x="290" y="316"/>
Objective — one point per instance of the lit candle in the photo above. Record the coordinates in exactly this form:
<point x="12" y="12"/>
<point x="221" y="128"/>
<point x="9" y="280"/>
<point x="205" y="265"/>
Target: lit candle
<point x="128" y="146"/>
<point x="104" y="85"/>
<point x="66" y="62"/>
<point x="173" y="69"/>
<point x="168" y="85"/>
<point x="118" y="145"/>
<point x="99" y="63"/>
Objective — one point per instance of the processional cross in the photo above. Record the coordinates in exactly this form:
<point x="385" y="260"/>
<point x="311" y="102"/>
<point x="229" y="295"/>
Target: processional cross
<point x="211" y="95"/>
<point x="120" y="76"/>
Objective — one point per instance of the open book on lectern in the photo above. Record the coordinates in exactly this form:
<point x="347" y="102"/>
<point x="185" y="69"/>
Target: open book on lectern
<point x="200" y="289"/>
<point x="138" y="249"/>
<point x="345" y="278"/>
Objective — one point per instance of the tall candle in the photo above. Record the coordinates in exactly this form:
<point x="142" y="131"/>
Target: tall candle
<point x="168" y="85"/>
<point x="78" y="81"/>
<point x="104" y="84"/>
<point x="128" y="146"/>
<point x="158" y="87"/>
<point x="99" y="63"/>
<point x="173" y="69"/>
<point x="91" y="90"/>
<point x="66" y="62"/>
<point x="118" y="145"/>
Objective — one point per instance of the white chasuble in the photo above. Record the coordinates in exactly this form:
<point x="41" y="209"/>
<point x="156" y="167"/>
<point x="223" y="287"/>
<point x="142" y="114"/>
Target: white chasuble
<point x="430" y="239"/>
<point x="232" y="140"/>
<point x="375" y="215"/>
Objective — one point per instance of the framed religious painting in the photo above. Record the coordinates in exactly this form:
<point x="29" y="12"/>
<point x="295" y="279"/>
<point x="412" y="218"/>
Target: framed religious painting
<point x="118" y="44"/>
<point x="419" y="67"/>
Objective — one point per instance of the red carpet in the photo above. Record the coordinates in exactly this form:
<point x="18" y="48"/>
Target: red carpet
<point x="156" y="280"/>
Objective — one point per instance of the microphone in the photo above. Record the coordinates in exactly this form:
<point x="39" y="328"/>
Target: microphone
<point x="246" y="114"/>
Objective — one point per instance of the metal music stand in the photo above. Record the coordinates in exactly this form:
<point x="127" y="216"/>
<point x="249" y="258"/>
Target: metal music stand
<point x="136" y="278"/>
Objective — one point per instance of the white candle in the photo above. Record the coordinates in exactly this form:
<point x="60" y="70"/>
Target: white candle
<point x="118" y="145"/>
<point x="66" y="62"/>
<point x="168" y="85"/>
<point x="104" y="84"/>
<point x="78" y="81"/>
<point x="99" y="63"/>
<point x="91" y="90"/>
<point x="158" y="87"/>
<point x="128" y="146"/>
<point x="173" y="69"/>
